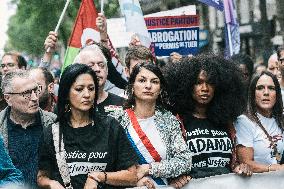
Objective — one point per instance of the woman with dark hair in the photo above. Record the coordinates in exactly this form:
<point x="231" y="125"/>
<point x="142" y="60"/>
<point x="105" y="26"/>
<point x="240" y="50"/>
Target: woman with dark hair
<point x="153" y="131"/>
<point x="84" y="150"/>
<point x="207" y="93"/>
<point x="260" y="130"/>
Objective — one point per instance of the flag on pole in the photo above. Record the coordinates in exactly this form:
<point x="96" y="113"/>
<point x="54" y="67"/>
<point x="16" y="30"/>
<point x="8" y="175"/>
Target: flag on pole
<point x="218" y="4"/>
<point x="134" y="20"/>
<point x="232" y="34"/>
<point x="84" y="31"/>
<point x="115" y="59"/>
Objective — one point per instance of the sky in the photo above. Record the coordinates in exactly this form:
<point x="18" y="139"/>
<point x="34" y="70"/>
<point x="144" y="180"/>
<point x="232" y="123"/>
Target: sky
<point x="6" y="11"/>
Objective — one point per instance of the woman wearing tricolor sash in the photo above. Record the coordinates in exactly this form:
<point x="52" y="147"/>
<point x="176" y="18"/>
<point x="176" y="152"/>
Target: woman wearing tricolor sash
<point x="153" y="131"/>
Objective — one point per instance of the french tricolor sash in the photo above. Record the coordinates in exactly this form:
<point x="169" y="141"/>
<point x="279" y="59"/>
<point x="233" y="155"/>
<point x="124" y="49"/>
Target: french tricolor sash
<point x="152" y="155"/>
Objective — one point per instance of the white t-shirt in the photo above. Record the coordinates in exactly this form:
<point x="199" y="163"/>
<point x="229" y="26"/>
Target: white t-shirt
<point x="150" y="129"/>
<point x="249" y="134"/>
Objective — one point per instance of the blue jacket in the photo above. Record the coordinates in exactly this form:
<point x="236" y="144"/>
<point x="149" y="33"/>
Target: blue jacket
<point x="8" y="173"/>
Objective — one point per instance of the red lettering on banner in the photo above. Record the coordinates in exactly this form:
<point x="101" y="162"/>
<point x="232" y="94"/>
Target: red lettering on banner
<point x="172" y="21"/>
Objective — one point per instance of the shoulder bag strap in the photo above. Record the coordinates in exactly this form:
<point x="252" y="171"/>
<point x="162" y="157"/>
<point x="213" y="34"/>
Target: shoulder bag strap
<point x="264" y="130"/>
<point x="60" y="158"/>
<point x="272" y="143"/>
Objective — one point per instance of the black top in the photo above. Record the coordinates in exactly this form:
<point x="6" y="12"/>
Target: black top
<point x="210" y="145"/>
<point x="99" y="147"/>
<point x="110" y="104"/>
<point x="23" y="146"/>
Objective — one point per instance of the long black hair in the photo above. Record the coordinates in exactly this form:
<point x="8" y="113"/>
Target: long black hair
<point x="67" y="79"/>
<point x="229" y="97"/>
<point x="162" y="101"/>
<point x="277" y="110"/>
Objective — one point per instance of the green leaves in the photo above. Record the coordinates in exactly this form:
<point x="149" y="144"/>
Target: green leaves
<point x="33" y="20"/>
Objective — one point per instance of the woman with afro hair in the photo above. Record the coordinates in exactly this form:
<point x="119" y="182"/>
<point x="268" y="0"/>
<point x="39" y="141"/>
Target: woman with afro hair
<point x="207" y="93"/>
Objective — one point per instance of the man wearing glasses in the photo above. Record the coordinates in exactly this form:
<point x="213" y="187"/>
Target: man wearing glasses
<point x="22" y="122"/>
<point x="12" y="61"/>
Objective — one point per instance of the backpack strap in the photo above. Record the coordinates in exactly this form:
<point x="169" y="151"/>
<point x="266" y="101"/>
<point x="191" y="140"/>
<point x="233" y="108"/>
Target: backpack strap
<point x="60" y="157"/>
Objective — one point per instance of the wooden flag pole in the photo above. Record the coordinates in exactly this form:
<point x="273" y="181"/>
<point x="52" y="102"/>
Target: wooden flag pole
<point x="60" y="19"/>
<point x="102" y="6"/>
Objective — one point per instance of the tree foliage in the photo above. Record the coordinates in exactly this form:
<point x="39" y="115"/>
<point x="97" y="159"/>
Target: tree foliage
<point x="33" y="20"/>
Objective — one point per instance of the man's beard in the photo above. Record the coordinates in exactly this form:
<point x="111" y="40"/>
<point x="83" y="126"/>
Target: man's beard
<point x="43" y="100"/>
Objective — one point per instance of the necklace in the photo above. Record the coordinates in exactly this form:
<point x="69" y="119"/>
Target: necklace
<point x="274" y="152"/>
<point x="83" y="124"/>
<point x="197" y="115"/>
<point x="273" y="144"/>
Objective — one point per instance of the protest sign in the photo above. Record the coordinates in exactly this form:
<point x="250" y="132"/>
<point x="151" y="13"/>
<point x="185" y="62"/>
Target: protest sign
<point x="134" y="20"/>
<point x="174" y="34"/>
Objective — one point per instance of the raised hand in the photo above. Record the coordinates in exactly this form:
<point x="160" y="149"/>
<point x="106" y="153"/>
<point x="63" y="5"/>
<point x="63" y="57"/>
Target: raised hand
<point x="50" y="41"/>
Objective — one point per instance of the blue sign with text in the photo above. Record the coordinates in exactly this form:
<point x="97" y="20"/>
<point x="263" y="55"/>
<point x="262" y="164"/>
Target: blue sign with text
<point x="185" y="41"/>
<point x="174" y="34"/>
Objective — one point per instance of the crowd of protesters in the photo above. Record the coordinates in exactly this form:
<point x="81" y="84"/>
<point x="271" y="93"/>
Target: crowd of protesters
<point x="196" y="116"/>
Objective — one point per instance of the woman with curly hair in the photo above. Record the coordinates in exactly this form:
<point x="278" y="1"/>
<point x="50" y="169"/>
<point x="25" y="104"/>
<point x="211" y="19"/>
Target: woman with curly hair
<point x="153" y="131"/>
<point x="207" y="93"/>
<point x="260" y="137"/>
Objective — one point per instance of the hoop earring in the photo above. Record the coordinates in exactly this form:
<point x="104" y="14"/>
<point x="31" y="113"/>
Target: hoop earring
<point x="67" y="108"/>
<point x="161" y="94"/>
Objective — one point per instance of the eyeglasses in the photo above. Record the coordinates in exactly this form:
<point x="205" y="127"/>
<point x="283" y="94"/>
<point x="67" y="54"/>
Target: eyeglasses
<point x="28" y="93"/>
<point x="100" y="65"/>
<point x="8" y="65"/>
